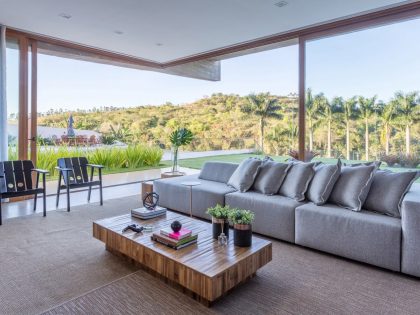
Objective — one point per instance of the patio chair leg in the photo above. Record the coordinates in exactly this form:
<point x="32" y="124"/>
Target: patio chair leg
<point x="0" y="213"/>
<point x="44" y="197"/>
<point x="58" y="190"/>
<point x="89" y="193"/>
<point x="100" y="187"/>
<point x="35" y="199"/>
<point x="68" y="198"/>
<point x="90" y="187"/>
<point x="36" y="195"/>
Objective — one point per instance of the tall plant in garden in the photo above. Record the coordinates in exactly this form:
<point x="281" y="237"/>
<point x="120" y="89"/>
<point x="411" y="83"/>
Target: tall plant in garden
<point x="329" y="111"/>
<point x="349" y="113"/>
<point x="408" y="113"/>
<point x="263" y="106"/>
<point x="387" y="115"/>
<point x="366" y="107"/>
<point x="178" y="138"/>
<point x="312" y="106"/>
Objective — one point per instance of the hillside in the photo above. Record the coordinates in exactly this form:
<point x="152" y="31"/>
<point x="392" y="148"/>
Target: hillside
<point x="219" y="123"/>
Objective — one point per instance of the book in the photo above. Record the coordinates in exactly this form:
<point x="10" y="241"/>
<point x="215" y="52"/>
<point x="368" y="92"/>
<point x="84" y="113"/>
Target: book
<point x="143" y="213"/>
<point x="185" y="244"/>
<point x="181" y="234"/>
<point x="171" y="242"/>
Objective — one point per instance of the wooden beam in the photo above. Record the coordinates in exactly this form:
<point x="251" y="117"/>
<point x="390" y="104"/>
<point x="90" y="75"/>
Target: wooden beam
<point x="23" y="100"/>
<point x="302" y="88"/>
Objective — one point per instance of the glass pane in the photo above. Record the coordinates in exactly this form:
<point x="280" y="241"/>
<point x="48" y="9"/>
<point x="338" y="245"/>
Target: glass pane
<point x="12" y="90"/>
<point x="362" y="99"/>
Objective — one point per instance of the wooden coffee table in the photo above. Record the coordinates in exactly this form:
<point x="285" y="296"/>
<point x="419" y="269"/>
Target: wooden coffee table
<point x="206" y="271"/>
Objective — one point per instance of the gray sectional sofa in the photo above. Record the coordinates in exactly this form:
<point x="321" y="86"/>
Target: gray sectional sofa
<point x="370" y="237"/>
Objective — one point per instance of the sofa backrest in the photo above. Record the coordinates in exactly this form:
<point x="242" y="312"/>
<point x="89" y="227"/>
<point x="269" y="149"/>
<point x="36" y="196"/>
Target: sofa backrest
<point x="217" y="171"/>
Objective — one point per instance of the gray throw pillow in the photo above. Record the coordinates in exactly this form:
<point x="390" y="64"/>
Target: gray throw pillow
<point x="270" y="177"/>
<point x="323" y="182"/>
<point x="243" y="177"/>
<point x="388" y="190"/>
<point x="297" y="180"/>
<point x="351" y="189"/>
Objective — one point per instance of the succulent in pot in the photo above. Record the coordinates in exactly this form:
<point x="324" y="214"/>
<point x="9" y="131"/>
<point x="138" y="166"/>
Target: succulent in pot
<point x="242" y="226"/>
<point x="220" y="219"/>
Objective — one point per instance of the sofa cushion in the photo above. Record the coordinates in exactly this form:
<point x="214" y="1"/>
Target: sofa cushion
<point x="217" y="171"/>
<point x="297" y="180"/>
<point x="351" y="189"/>
<point x="243" y="177"/>
<point x="364" y="236"/>
<point x="270" y="177"/>
<point x="173" y="195"/>
<point x="323" y="182"/>
<point x="388" y="190"/>
<point x="274" y="215"/>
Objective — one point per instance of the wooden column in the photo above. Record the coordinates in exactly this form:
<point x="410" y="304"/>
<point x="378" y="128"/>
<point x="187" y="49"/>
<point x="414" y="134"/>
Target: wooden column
<point x="34" y="99"/>
<point x="302" y="88"/>
<point x="23" y="99"/>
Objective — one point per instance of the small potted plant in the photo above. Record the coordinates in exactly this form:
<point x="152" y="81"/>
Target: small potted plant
<point x="242" y="228"/>
<point x="219" y="218"/>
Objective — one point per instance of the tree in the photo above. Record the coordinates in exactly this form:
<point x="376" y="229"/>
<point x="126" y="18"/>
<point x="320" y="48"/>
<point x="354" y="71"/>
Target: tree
<point x="312" y="106"/>
<point x="329" y="111"/>
<point x="408" y="113"/>
<point x="387" y="114"/>
<point x="366" y="107"/>
<point x="263" y="106"/>
<point x="349" y="112"/>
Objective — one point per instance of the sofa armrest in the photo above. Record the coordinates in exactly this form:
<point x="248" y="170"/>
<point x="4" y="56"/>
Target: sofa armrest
<point x="410" y="220"/>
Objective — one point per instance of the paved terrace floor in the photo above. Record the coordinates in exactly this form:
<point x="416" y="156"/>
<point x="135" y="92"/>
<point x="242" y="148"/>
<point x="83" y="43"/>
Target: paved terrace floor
<point x="115" y="186"/>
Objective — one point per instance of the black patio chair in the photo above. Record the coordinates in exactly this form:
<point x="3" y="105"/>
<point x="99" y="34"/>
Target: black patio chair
<point x="74" y="173"/>
<point x="16" y="181"/>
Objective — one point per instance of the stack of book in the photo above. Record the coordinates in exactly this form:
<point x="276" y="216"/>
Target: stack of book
<point x="144" y="214"/>
<point x="175" y="240"/>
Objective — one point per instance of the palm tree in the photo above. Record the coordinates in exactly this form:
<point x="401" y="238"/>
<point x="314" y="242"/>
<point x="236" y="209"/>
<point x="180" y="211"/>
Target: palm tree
<point x="329" y="111"/>
<point x="312" y="106"/>
<point x="387" y="113"/>
<point x="408" y="113"/>
<point x="367" y="107"/>
<point x="349" y="112"/>
<point x="264" y="106"/>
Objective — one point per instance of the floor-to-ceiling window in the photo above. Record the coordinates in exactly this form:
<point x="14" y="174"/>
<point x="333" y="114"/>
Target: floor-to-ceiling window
<point x="362" y="98"/>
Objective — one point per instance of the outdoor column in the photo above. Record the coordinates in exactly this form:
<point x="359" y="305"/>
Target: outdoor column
<point x="3" y="104"/>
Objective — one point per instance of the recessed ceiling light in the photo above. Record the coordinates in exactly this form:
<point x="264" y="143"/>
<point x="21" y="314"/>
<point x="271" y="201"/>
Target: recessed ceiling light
<point x="118" y="32"/>
<point x="281" y="4"/>
<point x="159" y="44"/>
<point x="65" y="15"/>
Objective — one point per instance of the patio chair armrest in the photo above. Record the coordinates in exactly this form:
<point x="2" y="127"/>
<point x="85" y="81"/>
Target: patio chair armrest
<point x="41" y="171"/>
<point x="63" y="169"/>
<point x="95" y="165"/>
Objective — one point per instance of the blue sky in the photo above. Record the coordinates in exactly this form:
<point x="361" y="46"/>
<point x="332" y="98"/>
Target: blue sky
<point x="378" y="61"/>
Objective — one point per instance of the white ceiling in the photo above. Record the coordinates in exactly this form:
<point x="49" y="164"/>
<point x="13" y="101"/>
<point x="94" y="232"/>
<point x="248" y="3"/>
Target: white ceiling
<point x="166" y="30"/>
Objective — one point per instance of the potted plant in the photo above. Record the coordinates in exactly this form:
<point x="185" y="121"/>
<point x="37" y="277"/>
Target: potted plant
<point x="220" y="220"/>
<point x="178" y="138"/>
<point x="242" y="228"/>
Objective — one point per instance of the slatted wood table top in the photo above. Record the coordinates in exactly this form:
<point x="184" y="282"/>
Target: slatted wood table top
<point x="206" y="269"/>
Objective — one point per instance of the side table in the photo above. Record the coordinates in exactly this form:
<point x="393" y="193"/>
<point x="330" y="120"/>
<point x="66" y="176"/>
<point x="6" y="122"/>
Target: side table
<point x="191" y="184"/>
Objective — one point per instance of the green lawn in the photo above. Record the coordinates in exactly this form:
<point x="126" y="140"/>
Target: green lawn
<point x="197" y="163"/>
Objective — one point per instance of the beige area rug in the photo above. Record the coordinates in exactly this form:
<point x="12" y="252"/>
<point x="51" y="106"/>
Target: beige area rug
<point x="47" y="261"/>
<point x="54" y="265"/>
<point x="297" y="281"/>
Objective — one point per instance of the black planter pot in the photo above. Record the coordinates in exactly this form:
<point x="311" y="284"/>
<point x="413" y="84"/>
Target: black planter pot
<point x="217" y="227"/>
<point x="242" y="235"/>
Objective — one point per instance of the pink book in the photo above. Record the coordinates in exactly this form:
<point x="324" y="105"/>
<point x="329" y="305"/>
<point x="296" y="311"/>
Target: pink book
<point x="183" y="233"/>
